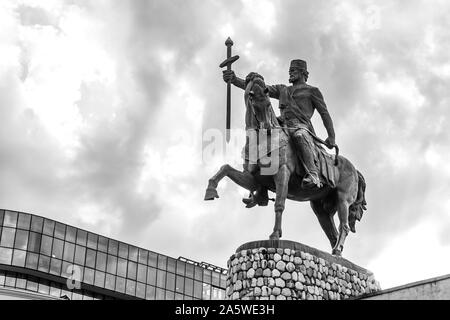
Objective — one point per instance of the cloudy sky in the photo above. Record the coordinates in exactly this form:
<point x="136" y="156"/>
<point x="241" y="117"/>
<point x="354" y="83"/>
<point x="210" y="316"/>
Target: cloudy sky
<point x="105" y="104"/>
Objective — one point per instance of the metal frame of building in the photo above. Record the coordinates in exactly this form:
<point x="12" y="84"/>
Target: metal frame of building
<point x="55" y="259"/>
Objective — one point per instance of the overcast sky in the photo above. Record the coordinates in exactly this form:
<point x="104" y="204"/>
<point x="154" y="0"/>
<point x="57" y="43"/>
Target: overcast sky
<point x="104" y="104"/>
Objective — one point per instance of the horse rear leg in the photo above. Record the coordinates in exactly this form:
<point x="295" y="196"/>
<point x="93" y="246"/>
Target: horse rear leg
<point x="243" y="178"/>
<point x="344" y="201"/>
<point x="326" y="221"/>
<point x="281" y="183"/>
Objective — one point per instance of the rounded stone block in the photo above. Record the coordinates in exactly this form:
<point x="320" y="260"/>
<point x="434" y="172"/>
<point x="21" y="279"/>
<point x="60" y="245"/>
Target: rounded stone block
<point x="287" y="270"/>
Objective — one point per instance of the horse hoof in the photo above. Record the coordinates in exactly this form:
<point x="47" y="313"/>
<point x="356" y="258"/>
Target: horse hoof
<point x="274" y="236"/>
<point x="336" y="252"/>
<point x="211" y="194"/>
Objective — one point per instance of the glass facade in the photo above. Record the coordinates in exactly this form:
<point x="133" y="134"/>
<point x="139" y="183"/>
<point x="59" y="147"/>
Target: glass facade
<point x="39" y="254"/>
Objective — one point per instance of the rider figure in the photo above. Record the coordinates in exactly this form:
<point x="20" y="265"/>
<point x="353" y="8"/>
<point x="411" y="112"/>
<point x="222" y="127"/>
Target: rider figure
<point x="297" y="104"/>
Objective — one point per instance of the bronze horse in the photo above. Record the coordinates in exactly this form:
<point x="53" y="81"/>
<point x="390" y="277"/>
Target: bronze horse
<point x="346" y="198"/>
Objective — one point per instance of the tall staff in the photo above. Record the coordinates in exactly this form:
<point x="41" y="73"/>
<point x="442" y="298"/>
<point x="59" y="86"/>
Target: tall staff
<point x="227" y="63"/>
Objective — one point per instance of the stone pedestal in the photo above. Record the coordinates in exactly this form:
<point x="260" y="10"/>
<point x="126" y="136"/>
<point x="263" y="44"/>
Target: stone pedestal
<point x="285" y="270"/>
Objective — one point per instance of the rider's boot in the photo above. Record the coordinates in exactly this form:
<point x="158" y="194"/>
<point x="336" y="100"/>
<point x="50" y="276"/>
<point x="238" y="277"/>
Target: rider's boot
<point x="260" y="197"/>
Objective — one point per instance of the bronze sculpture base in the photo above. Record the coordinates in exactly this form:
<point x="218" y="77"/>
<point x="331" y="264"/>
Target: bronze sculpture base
<point x="288" y="270"/>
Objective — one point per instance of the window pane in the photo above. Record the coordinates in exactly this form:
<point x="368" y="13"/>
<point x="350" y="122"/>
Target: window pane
<point x="32" y="284"/>
<point x="151" y="276"/>
<point x="162" y="262"/>
<point x="110" y="282"/>
<point x="90" y="258"/>
<point x="32" y="260"/>
<point x="88" y="276"/>
<point x="81" y="237"/>
<point x="198" y="273"/>
<point x="123" y="250"/>
<point x="140" y="290"/>
<point x="206" y="295"/>
<point x="178" y="296"/>
<point x="60" y="230"/>
<point x="5" y="256"/>
<point x="21" y="240"/>
<point x="7" y="239"/>
<point x="133" y="254"/>
<point x="44" y="263"/>
<point x="161" y="279"/>
<point x="170" y="282"/>
<point x="102" y="244"/>
<point x="170" y="295"/>
<point x="188" y="287"/>
<point x="10" y="280"/>
<point x="10" y="219"/>
<point x="181" y="265"/>
<point x="112" y="264"/>
<point x="120" y="284"/>
<point x="142" y="273"/>
<point x="55" y="290"/>
<point x="189" y="270"/>
<point x="2" y="214"/>
<point x="216" y="279"/>
<point x="21" y="282"/>
<point x="206" y="275"/>
<point x="99" y="279"/>
<point x="92" y="241"/>
<point x="143" y="256"/>
<point x="24" y="221"/>
<point x="80" y="253"/>
<point x="101" y="261"/>
<point x="46" y="245"/>
<point x="216" y="293"/>
<point x="71" y="234"/>
<point x="44" y="287"/>
<point x="19" y="258"/>
<point x="180" y="284"/>
<point x="55" y="266"/>
<point x="122" y="267"/>
<point x="132" y="270"/>
<point x="171" y="264"/>
<point x="69" y="250"/>
<point x="151" y="293"/>
<point x="223" y="280"/>
<point x="152" y="259"/>
<point x="49" y="227"/>
<point x="34" y="242"/>
<point x="198" y="289"/>
<point x="159" y="294"/>
<point x="113" y="247"/>
<point x="57" y="249"/>
<point x="131" y="287"/>
<point x="36" y="224"/>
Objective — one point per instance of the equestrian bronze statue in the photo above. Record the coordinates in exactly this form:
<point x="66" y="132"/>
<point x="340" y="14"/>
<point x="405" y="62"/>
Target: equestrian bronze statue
<point x="305" y="171"/>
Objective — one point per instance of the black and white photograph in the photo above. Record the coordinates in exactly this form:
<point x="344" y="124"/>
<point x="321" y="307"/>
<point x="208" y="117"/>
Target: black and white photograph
<point x="229" y="151"/>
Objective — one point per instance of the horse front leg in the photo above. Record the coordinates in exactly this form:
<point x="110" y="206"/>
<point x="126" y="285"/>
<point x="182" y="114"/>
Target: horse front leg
<point x="243" y="178"/>
<point x="281" y="184"/>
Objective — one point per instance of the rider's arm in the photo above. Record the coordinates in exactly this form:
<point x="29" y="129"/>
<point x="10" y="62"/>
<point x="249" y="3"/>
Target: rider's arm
<point x="321" y="107"/>
<point x="238" y="82"/>
<point x="274" y="91"/>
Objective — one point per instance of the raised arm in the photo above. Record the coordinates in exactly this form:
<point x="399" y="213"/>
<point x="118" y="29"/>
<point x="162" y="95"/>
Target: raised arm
<point x="321" y="107"/>
<point x="274" y="91"/>
<point x="230" y="75"/>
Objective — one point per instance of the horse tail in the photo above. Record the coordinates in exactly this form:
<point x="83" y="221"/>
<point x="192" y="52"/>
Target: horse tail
<point x="356" y="210"/>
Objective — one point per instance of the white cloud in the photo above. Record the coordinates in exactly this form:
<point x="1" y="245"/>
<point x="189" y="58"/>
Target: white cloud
<point x="414" y="255"/>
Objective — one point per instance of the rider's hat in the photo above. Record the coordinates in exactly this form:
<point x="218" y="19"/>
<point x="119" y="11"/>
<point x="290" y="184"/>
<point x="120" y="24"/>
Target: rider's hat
<point x="298" y="64"/>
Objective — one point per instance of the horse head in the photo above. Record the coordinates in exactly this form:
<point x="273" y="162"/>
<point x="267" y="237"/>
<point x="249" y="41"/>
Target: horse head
<point x="260" y="114"/>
